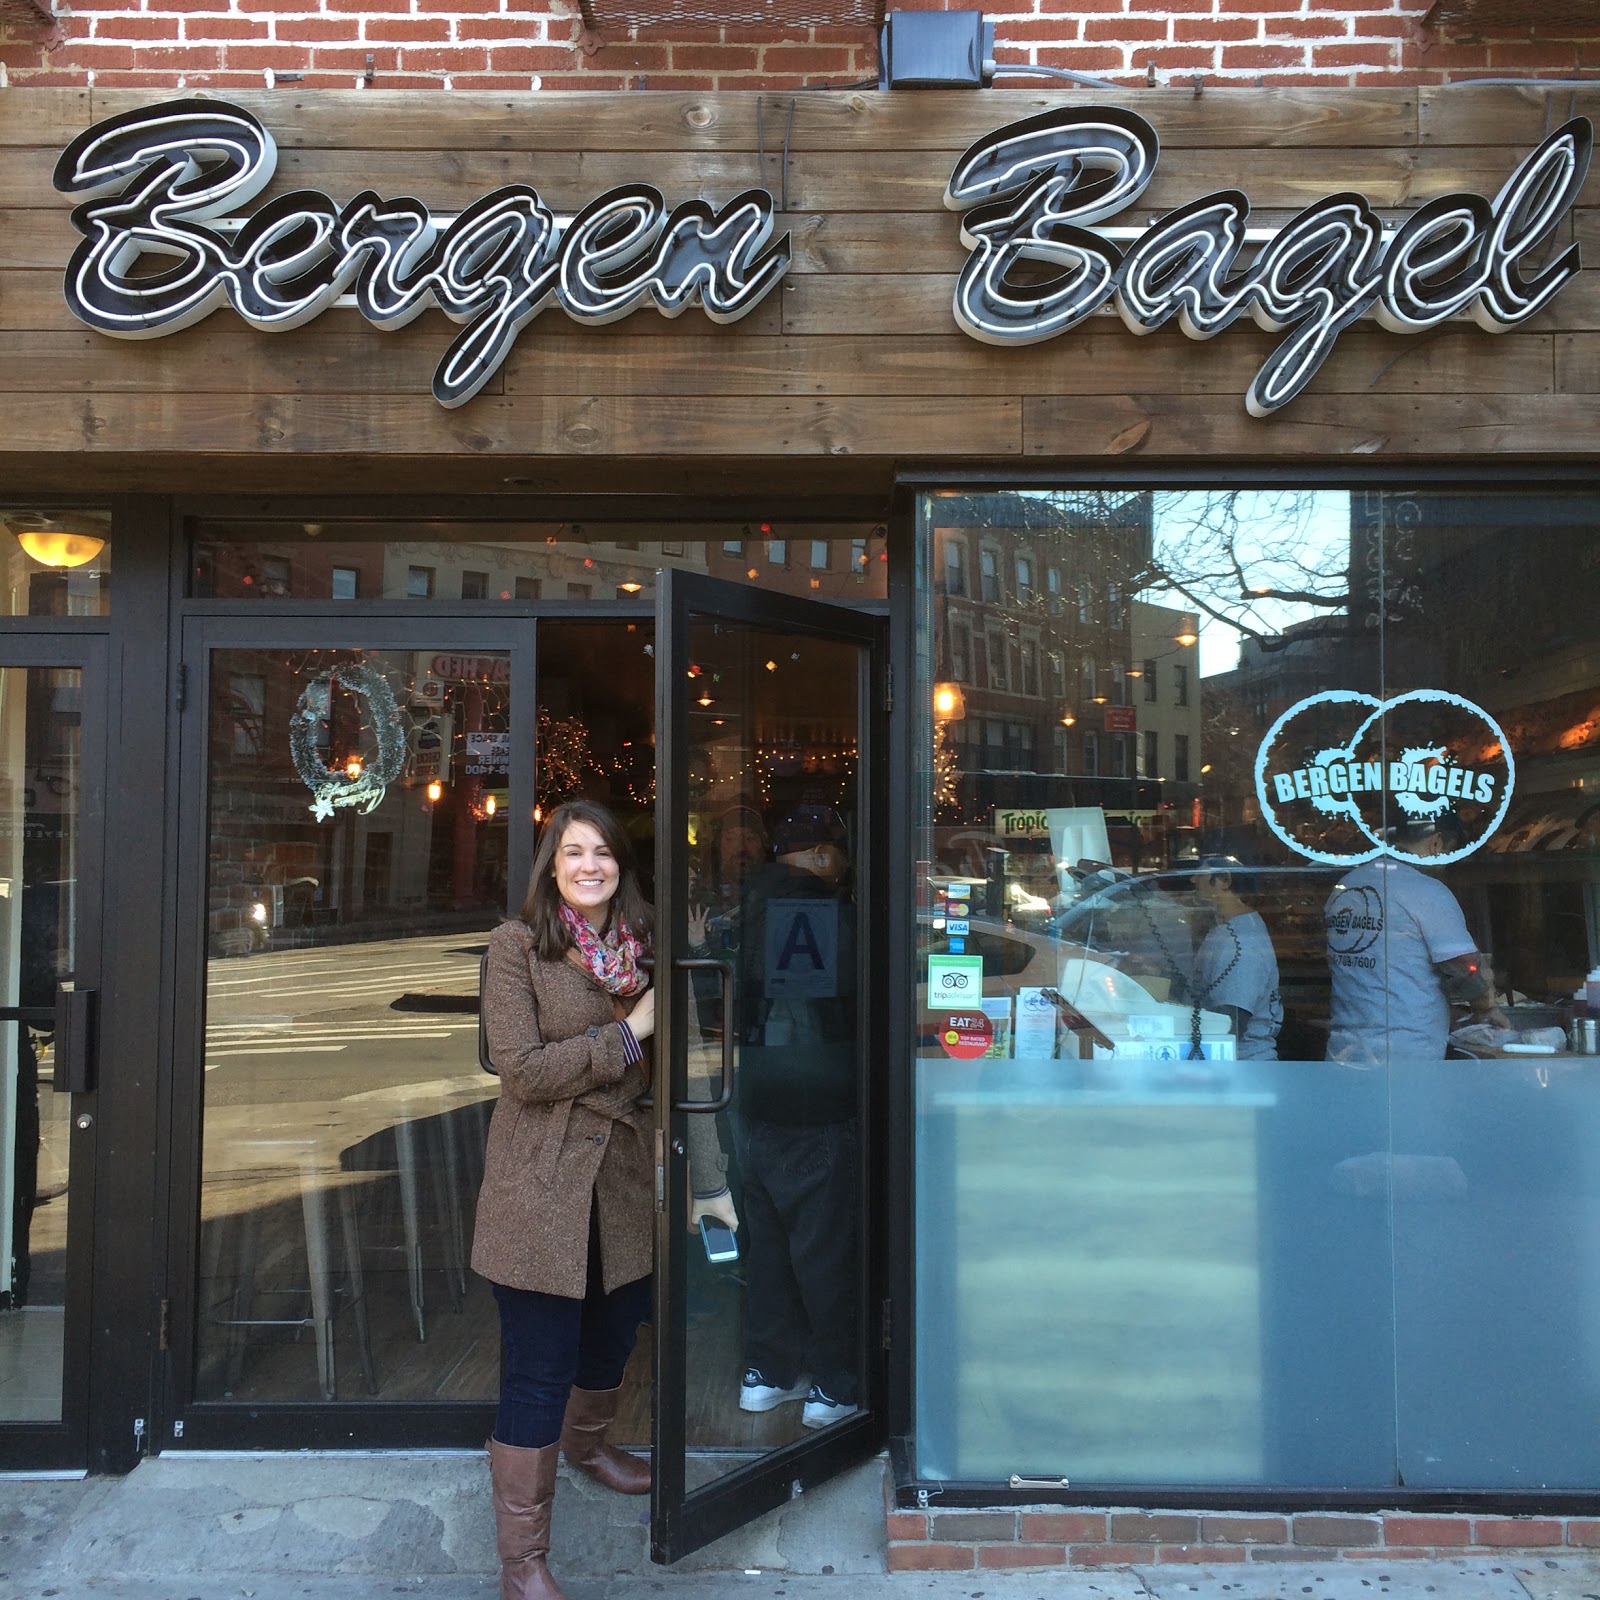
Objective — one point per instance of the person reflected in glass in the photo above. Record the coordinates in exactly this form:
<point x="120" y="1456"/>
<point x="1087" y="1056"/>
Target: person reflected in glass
<point x="1401" y="956"/>
<point x="796" y="1124"/>
<point x="1235" y="968"/>
<point x="565" y="1223"/>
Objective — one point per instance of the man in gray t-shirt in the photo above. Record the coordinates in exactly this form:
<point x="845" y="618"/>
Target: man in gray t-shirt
<point x="1400" y="954"/>
<point x="1236" y="970"/>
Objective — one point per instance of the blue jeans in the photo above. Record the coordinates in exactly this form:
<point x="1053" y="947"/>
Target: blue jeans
<point x="549" y="1343"/>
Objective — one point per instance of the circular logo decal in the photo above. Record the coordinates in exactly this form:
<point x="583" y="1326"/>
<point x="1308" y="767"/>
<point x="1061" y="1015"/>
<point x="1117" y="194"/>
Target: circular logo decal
<point x="1340" y="775"/>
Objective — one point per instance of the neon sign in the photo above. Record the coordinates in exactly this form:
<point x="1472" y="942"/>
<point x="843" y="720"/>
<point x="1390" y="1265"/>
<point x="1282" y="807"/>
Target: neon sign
<point x="1027" y="191"/>
<point x="149" y="263"/>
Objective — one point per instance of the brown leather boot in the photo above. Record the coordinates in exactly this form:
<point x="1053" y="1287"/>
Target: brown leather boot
<point x="583" y="1441"/>
<point x="524" y="1484"/>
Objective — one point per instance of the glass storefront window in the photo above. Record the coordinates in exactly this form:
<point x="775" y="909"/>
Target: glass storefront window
<point x="1248" y="945"/>
<point x="55" y="562"/>
<point x="497" y="561"/>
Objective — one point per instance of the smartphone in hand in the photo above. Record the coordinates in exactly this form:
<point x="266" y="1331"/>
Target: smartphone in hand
<point x="718" y="1238"/>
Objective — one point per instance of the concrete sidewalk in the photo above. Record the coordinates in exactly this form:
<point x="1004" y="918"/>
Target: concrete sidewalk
<point x="288" y="1527"/>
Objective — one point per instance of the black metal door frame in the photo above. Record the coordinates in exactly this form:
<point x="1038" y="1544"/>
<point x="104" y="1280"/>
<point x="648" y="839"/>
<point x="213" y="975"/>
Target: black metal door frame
<point x="683" y="1521"/>
<point x="188" y="1423"/>
<point x="64" y="1445"/>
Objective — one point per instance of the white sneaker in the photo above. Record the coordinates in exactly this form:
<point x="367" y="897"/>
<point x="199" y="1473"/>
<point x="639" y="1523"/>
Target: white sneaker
<point x="756" y="1394"/>
<point x="821" y="1412"/>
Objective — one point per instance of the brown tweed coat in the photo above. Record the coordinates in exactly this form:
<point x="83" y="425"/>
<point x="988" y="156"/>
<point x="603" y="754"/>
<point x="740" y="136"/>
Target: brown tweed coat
<point x="567" y="1127"/>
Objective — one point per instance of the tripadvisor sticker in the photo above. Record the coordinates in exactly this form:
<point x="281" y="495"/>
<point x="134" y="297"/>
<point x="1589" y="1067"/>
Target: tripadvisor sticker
<point x="1340" y="772"/>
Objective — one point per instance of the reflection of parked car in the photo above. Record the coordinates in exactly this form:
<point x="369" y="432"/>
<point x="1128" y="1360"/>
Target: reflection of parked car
<point x="1151" y="925"/>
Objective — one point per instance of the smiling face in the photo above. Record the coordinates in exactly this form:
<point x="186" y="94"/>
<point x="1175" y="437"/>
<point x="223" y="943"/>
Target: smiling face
<point x="586" y="872"/>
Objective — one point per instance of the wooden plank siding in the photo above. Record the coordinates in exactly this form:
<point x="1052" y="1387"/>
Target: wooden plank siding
<point x="855" y="355"/>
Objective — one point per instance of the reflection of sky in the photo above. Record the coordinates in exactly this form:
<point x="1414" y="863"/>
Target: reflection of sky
<point x="1296" y="541"/>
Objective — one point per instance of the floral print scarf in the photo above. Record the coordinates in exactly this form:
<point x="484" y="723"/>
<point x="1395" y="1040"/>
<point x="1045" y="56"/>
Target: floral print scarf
<point x="612" y="958"/>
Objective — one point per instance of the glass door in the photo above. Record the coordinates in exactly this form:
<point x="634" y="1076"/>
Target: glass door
<point x="766" y="881"/>
<point x="51" y="814"/>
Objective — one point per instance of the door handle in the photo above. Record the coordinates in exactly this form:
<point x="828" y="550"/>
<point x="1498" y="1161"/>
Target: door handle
<point x="75" y="1039"/>
<point x="725" y="1099"/>
<point x="729" y="1030"/>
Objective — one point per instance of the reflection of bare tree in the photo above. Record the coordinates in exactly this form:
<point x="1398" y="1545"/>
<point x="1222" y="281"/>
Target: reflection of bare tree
<point x="1243" y="556"/>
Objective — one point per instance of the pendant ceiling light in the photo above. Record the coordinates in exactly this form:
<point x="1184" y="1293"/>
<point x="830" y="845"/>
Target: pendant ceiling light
<point x="70" y="539"/>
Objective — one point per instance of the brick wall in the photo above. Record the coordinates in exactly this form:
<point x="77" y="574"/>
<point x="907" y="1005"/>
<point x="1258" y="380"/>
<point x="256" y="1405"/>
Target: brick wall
<point x="963" y="1540"/>
<point x="501" y="44"/>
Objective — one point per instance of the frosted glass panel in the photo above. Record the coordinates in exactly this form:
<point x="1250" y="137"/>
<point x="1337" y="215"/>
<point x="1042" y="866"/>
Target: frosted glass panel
<point x="1497" y="1272"/>
<point x="1122" y="1282"/>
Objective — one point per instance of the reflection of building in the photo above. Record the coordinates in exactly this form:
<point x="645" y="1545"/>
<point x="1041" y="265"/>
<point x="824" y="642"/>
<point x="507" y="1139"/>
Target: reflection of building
<point x="1070" y="685"/>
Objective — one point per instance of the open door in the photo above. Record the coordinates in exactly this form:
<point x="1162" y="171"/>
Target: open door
<point x="766" y="880"/>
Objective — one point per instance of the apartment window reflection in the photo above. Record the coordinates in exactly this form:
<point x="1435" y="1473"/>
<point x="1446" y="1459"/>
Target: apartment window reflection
<point x="1152" y="681"/>
<point x="345" y="583"/>
<point x="989" y="575"/>
<point x="955" y="567"/>
<point x="1180" y="757"/>
<point x="1180" y="683"/>
<point x="419" y="583"/>
<point x="474" y="585"/>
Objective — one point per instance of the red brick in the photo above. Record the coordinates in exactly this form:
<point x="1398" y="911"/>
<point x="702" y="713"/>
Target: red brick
<point x="931" y="1558"/>
<point x="1517" y="1533"/>
<point x="385" y="59"/>
<point x="1245" y="1530"/>
<point x="1176" y="57"/>
<point x="520" y="58"/>
<point x="1201" y="1554"/>
<point x="229" y="28"/>
<point x="1065" y="30"/>
<point x="327" y="30"/>
<point x="715" y="58"/>
<point x="258" y="57"/>
<point x="1261" y="57"/>
<point x="456" y="58"/>
<point x="136" y="27"/>
<point x="1432" y="1531"/>
<point x="1583" y="1532"/>
<point x="398" y="30"/>
<point x="1354" y="55"/>
<point x="629" y="57"/>
<point x="968" y="1527"/>
<point x="1381" y="26"/>
<point x="1321" y="27"/>
<point x="1125" y="30"/>
<point x="178" y="58"/>
<point x="1021" y="1555"/>
<point x="1209" y="30"/>
<point x="98" y="57"/>
<point x="1333" y="1529"/>
<point x="778" y="33"/>
<point x="906" y="1524"/>
<point x="1108" y="1555"/>
<point x="1063" y="1527"/>
<point x="1147" y="1527"/>
<point x="804" y="58"/>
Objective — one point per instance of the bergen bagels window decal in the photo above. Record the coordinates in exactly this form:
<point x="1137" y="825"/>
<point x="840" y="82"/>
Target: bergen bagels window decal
<point x="1344" y="777"/>
<point x="1028" y="191"/>
<point x="149" y="265"/>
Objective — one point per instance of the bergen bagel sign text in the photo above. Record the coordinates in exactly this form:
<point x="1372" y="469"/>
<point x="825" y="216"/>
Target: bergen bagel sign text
<point x="165" y="244"/>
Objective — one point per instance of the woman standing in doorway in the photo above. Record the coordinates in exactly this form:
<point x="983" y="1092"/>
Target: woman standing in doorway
<point x="565" y="1217"/>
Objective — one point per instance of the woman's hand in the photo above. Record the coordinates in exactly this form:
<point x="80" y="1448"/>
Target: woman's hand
<point x="642" y="1019"/>
<point x="699" y="915"/>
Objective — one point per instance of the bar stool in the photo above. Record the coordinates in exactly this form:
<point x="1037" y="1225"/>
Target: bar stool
<point x="314" y="1178"/>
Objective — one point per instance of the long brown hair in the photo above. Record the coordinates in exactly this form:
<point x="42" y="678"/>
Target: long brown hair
<point x="542" y="909"/>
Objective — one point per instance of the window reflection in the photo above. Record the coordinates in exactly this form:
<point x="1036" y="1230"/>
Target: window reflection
<point x="491" y="562"/>
<point x="357" y="854"/>
<point x="1362" y="726"/>
<point x="55" y="562"/>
